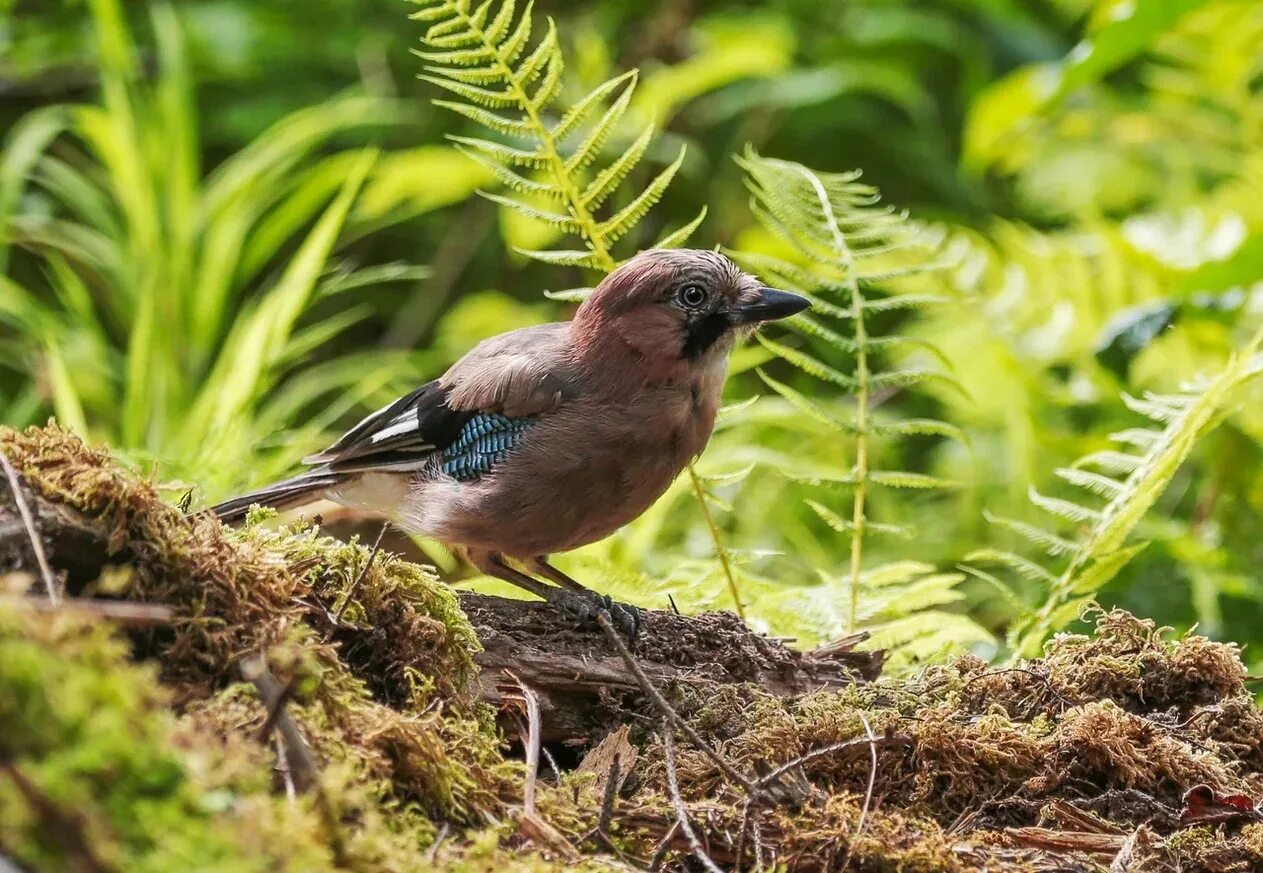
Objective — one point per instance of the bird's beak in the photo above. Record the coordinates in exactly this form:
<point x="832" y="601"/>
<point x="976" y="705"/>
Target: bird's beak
<point x="770" y="305"/>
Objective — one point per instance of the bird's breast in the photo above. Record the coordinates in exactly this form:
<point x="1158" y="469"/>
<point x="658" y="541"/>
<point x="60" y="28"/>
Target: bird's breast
<point x="578" y="473"/>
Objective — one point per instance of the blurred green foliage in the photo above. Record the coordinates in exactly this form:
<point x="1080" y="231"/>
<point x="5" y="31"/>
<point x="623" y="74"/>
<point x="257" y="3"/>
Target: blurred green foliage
<point x="215" y="216"/>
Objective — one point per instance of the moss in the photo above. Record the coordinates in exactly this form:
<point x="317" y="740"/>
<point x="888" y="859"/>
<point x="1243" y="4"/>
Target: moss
<point x="90" y="777"/>
<point x="145" y="752"/>
<point x="239" y="591"/>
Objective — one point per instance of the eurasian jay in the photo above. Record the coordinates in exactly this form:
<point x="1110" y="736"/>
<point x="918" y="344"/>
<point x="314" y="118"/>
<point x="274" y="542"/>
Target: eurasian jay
<point x="547" y="438"/>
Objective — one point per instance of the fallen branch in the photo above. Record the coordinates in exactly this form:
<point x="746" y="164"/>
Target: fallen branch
<point x="586" y="688"/>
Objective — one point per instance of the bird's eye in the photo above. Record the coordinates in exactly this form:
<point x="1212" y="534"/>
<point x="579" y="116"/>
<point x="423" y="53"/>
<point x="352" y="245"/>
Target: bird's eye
<point x="692" y="296"/>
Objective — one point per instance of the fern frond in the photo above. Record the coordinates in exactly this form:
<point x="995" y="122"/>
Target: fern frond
<point x="906" y="301"/>
<point x="618" y="225"/>
<point x="921" y="427"/>
<point x="846" y="240"/>
<point x="1051" y="543"/>
<point x="916" y="481"/>
<point x="511" y="179"/>
<point x="1100" y="550"/>
<point x="809" y="365"/>
<point x="809" y="407"/>
<point x="1024" y="567"/>
<point x="1097" y="483"/>
<point x="680" y="235"/>
<point x="1066" y="509"/>
<point x="1118" y="463"/>
<point x="510" y="87"/>
<point x="570" y="258"/>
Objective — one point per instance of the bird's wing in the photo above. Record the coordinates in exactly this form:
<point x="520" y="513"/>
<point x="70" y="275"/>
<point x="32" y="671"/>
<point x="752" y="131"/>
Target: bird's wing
<point x="485" y="399"/>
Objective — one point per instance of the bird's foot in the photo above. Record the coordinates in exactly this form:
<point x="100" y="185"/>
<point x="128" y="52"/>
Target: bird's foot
<point x="585" y="607"/>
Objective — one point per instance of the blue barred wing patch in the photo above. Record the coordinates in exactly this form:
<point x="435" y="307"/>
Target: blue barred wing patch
<point x="484" y="440"/>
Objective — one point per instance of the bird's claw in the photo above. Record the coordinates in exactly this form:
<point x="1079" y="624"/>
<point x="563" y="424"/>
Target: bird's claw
<point x="586" y="607"/>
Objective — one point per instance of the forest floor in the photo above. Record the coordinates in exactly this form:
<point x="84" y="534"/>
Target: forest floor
<point x="177" y="695"/>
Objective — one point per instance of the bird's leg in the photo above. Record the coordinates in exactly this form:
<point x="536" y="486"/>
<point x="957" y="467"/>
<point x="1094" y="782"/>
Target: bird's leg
<point x="583" y="603"/>
<point x="625" y="616"/>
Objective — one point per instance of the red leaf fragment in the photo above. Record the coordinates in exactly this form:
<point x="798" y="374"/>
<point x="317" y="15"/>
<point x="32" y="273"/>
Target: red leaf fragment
<point x="1204" y="805"/>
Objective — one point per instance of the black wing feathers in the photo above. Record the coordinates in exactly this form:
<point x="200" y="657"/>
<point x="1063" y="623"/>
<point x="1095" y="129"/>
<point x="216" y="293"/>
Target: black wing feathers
<point x="400" y="435"/>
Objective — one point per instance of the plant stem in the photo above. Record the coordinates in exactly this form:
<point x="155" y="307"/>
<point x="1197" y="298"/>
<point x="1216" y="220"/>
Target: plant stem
<point x="858" y="518"/>
<point x="720" y="551"/>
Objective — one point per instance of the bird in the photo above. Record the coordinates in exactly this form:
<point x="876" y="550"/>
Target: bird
<point x="547" y="438"/>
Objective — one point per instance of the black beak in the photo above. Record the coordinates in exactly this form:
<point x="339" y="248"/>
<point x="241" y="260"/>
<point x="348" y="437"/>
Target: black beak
<point x="770" y="305"/>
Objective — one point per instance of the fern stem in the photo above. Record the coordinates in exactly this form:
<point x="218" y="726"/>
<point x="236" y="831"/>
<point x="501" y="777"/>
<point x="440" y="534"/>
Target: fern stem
<point x="846" y="260"/>
<point x="556" y="163"/>
<point x="720" y="551"/>
<point x="858" y="518"/>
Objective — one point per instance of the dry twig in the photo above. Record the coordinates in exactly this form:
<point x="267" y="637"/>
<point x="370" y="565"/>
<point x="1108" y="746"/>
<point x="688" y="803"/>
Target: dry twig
<point x="299" y="762"/>
<point x="681" y="812"/>
<point x="359" y="580"/>
<point x="28" y="521"/>
<point x="121" y="611"/>
<point x="668" y="712"/>
<point x="68" y="826"/>
<point x="868" y="792"/>
<point x="532" y="742"/>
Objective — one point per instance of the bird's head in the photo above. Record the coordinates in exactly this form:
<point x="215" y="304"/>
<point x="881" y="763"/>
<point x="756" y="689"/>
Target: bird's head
<point x="679" y="306"/>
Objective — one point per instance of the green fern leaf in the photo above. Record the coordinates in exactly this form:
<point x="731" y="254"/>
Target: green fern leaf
<point x="572" y="258"/>
<point x="922" y="427"/>
<point x="1094" y="482"/>
<point x="612" y="176"/>
<point x="1064" y="508"/>
<point x="905" y="301"/>
<point x="589" y="149"/>
<point x="1118" y="463"/>
<point x="1101" y="551"/>
<point x="681" y="235"/>
<point x="1141" y="438"/>
<point x="627" y="217"/>
<point x="809" y="407"/>
<point x="501" y="99"/>
<point x="1024" y="567"/>
<point x="509" y="155"/>
<point x="487" y="118"/>
<point x="917" y="481"/>
<point x="505" y="85"/>
<point x="807" y="363"/>
<point x="565" y="222"/>
<point x="510" y="179"/>
<point x="842" y="525"/>
<point x="576" y="115"/>
<point x="1052" y="544"/>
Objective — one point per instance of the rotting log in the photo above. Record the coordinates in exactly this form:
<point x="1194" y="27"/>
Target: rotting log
<point x="584" y="687"/>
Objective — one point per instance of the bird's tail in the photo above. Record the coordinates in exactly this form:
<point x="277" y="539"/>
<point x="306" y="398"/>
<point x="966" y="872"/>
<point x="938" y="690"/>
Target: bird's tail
<point x="279" y="495"/>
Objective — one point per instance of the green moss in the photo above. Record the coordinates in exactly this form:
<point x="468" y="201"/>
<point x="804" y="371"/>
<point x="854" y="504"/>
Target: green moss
<point x="144" y="752"/>
<point x="236" y="591"/>
<point x="89" y="776"/>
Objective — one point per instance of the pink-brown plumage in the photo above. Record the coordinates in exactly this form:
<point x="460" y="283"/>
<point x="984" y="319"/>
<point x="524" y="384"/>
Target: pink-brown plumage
<point x="591" y="420"/>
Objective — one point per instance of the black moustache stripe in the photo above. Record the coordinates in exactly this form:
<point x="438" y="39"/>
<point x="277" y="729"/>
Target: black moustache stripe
<point x="701" y="334"/>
